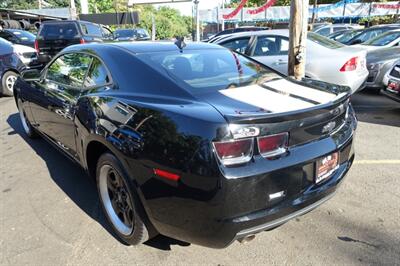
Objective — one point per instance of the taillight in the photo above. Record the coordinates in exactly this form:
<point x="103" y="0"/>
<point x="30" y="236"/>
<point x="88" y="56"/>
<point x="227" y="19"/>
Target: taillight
<point x="37" y="46"/>
<point x="82" y="41"/>
<point x="166" y="174"/>
<point x="350" y="65"/>
<point x="273" y="145"/>
<point x="234" y="151"/>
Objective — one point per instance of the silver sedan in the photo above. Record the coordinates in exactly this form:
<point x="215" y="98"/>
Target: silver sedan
<point x="326" y="59"/>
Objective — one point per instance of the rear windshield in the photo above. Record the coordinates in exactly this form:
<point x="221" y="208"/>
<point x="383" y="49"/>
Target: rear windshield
<point x="205" y="70"/>
<point x="384" y="39"/>
<point x="59" y="31"/>
<point x="326" y="42"/>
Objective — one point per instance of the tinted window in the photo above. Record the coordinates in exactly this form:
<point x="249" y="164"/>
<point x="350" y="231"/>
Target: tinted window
<point x="97" y="75"/>
<point x="271" y="45"/>
<point x="238" y="45"/>
<point x="209" y="69"/>
<point x="347" y="36"/>
<point x="5" y="47"/>
<point x="324" y="31"/>
<point x="321" y="40"/>
<point x="142" y="33"/>
<point x="7" y="36"/>
<point x="59" y="31"/>
<point x="23" y="35"/>
<point x="124" y="33"/>
<point x="69" y="69"/>
<point x="91" y="29"/>
<point x="339" y="29"/>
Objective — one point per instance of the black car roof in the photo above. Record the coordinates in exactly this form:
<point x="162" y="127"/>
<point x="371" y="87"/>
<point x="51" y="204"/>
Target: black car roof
<point x="147" y="46"/>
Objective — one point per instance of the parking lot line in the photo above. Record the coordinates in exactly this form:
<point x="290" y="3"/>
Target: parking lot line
<point x="377" y="162"/>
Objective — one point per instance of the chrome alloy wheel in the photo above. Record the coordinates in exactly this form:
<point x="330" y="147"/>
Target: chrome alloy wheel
<point x="116" y="199"/>
<point x="23" y="118"/>
<point x="10" y="81"/>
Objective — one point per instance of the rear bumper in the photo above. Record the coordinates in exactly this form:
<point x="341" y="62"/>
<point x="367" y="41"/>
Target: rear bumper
<point x="355" y="80"/>
<point x="391" y="95"/>
<point x="239" y="204"/>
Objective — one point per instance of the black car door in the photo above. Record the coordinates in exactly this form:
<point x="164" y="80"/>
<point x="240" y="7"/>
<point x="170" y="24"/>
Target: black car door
<point x="53" y="107"/>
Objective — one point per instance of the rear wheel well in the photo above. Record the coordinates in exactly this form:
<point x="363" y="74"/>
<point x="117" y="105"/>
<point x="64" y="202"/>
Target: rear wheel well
<point x="93" y="152"/>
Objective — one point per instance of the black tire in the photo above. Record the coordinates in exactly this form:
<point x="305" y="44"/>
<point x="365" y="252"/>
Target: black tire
<point x="110" y="201"/>
<point x="26" y="125"/>
<point x="7" y="83"/>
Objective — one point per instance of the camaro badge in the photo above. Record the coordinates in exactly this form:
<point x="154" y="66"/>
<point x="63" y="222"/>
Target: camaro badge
<point x="329" y="127"/>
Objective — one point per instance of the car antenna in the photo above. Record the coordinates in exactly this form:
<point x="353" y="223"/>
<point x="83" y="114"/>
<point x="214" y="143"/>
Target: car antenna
<point x="180" y="42"/>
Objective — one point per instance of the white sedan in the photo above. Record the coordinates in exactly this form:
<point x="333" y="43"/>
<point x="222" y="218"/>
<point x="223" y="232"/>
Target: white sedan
<point x="326" y="60"/>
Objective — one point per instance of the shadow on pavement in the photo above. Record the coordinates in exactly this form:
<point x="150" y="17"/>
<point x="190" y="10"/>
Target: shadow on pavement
<point x="76" y="184"/>
<point x="374" y="108"/>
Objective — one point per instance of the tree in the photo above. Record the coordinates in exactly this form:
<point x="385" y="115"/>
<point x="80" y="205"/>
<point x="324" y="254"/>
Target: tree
<point x="31" y="4"/>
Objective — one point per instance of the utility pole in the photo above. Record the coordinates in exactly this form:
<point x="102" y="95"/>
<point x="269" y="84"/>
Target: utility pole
<point x="40" y="4"/>
<point x="314" y="14"/>
<point x="223" y="20"/>
<point x="297" y="38"/>
<point x="196" y="3"/>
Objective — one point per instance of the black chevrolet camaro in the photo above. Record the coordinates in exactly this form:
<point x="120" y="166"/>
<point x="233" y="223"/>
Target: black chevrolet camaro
<point x="197" y="143"/>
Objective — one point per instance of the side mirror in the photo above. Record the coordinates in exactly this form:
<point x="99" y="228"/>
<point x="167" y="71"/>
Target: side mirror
<point x="31" y="75"/>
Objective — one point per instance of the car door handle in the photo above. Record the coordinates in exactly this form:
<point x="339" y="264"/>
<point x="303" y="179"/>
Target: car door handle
<point x="280" y="62"/>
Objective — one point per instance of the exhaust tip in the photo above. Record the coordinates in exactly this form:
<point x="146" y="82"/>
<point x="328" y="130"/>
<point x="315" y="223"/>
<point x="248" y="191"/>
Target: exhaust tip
<point x="246" y="239"/>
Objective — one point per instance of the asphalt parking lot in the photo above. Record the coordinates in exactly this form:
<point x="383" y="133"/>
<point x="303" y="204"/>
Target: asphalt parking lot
<point x="49" y="212"/>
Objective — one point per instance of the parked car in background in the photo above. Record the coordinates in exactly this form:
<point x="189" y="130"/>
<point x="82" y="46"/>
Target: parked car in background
<point x="53" y="36"/>
<point x="392" y="82"/>
<point x="379" y="62"/>
<point x="21" y="37"/>
<point x="371" y="33"/>
<point x="197" y="143"/>
<point x="326" y="60"/>
<point x="131" y="35"/>
<point x="332" y="28"/>
<point x="13" y="60"/>
<point x="387" y="39"/>
<point x="344" y="36"/>
<point x="235" y="30"/>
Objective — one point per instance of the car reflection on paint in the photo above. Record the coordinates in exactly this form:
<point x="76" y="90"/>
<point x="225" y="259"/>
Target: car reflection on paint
<point x="197" y="143"/>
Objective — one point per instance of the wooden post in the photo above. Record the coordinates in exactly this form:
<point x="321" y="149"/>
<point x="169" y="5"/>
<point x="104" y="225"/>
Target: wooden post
<point x="297" y="38"/>
<point x="314" y="14"/>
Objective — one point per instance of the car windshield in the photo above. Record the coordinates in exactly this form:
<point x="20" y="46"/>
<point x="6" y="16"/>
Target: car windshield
<point x="383" y="39"/>
<point x="347" y="36"/>
<point x="205" y="70"/>
<point x="124" y="33"/>
<point x="326" y="42"/>
<point x="24" y="35"/>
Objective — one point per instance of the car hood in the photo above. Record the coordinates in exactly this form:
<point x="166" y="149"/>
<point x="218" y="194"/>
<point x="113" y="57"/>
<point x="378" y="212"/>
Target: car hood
<point x="275" y="97"/>
<point x="18" y="48"/>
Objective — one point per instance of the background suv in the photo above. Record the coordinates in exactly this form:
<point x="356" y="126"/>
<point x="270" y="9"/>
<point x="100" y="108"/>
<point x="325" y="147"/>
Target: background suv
<point x="53" y="36"/>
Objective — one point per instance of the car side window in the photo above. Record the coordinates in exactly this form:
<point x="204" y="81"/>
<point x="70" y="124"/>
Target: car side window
<point x="91" y="29"/>
<point x="238" y="45"/>
<point x="69" y="69"/>
<point x="97" y="75"/>
<point x="271" y="45"/>
<point x="7" y="36"/>
<point x="324" y="31"/>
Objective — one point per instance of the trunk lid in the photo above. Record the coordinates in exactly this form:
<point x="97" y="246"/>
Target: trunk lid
<point x="307" y="110"/>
